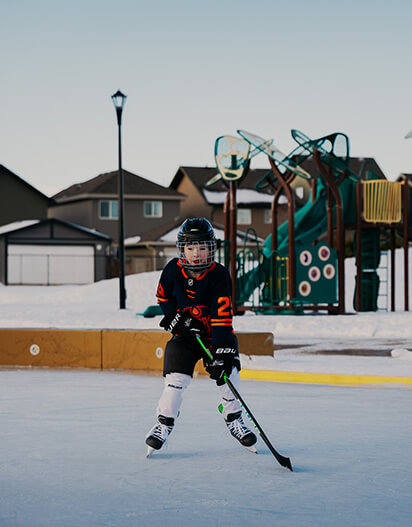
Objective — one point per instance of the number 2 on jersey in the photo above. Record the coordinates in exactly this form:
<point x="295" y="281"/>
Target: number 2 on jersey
<point x="225" y="309"/>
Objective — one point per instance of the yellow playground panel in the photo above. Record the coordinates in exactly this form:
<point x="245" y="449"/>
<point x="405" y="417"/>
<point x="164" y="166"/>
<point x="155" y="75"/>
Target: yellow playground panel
<point x="382" y="201"/>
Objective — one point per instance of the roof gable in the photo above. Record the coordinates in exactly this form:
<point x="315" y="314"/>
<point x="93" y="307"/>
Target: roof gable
<point x="107" y="184"/>
<point x="8" y="173"/>
<point x="201" y="175"/>
<point x="356" y="165"/>
<point x="33" y="225"/>
<point x="17" y="226"/>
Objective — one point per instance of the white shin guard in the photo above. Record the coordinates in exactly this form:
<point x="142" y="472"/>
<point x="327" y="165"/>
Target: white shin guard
<point x="230" y="404"/>
<point x="172" y="395"/>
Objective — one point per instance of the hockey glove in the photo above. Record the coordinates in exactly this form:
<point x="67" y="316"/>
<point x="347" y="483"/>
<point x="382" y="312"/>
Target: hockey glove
<point x="179" y="323"/>
<point x="222" y="364"/>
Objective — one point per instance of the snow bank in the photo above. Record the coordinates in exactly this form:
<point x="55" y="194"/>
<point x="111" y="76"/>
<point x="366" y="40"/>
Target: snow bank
<point x="96" y="306"/>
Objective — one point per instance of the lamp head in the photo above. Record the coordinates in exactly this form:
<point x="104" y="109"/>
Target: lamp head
<point x="119" y="99"/>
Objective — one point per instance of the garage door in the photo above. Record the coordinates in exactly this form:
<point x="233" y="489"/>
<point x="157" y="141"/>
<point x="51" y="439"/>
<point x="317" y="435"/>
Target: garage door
<point x="50" y="264"/>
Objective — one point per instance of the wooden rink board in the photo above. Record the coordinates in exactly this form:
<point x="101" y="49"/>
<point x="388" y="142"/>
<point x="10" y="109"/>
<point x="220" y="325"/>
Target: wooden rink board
<point x="103" y="349"/>
<point x="49" y="347"/>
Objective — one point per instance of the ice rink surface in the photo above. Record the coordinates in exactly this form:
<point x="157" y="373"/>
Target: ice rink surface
<point x="72" y="454"/>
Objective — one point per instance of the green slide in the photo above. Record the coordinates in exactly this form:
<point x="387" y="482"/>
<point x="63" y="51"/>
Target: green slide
<point x="311" y="219"/>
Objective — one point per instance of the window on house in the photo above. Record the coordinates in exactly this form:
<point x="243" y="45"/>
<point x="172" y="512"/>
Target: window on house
<point x="268" y="215"/>
<point x="108" y="209"/>
<point x="244" y="216"/>
<point x="153" y="209"/>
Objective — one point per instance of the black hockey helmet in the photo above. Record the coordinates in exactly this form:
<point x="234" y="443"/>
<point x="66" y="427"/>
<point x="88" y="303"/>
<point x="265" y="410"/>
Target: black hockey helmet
<point x="196" y="232"/>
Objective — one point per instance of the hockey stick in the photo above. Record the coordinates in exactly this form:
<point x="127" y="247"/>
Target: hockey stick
<point x="282" y="460"/>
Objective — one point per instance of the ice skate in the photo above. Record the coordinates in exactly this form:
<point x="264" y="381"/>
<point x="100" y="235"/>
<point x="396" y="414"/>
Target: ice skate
<point x="240" y="431"/>
<point x="158" y="435"/>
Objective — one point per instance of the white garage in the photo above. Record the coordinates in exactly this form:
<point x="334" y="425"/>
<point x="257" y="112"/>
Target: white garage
<point x="50" y="265"/>
<point x="52" y="252"/>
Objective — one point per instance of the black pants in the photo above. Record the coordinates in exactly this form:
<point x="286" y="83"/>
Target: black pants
<point x="182" y="354"/>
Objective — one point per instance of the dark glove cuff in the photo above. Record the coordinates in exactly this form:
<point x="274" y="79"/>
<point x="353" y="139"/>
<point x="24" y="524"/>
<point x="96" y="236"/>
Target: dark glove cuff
<point x="170" y="321"/>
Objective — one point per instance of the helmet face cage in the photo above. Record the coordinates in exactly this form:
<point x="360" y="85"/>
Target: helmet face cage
<point x="196" y="245"/>
<point x="196" y="255"/>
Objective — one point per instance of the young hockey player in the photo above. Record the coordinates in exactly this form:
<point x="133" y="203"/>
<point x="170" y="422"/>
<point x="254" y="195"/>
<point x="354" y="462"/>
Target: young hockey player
<point x="194" y="293"/>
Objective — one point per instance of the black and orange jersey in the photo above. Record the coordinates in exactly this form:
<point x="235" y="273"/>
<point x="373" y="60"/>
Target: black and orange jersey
<point x="208" y="298"/>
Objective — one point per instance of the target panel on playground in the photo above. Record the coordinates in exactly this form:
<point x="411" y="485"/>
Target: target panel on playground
<point x="316" y="274"/>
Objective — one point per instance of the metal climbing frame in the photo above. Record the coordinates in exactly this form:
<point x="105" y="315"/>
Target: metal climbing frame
<point x="256" y="284"/>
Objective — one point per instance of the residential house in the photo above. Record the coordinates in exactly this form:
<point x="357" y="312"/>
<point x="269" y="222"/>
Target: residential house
<point x="19" y="200"/>
<point x="152" y="250"/>
<point x="94" y="204"/>
<point x="254" y="206"/>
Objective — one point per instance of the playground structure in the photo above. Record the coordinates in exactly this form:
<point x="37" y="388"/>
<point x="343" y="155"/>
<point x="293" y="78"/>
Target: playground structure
<point x="301" y="265"/>
<point x="381" y="208"/>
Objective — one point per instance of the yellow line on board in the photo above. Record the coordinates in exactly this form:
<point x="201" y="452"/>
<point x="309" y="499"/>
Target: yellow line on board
<point x="321" y="378"/>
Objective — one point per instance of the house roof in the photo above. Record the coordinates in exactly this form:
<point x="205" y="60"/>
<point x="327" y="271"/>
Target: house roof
<point x="5" y="170"/>
<point x="106" y="184"/>
<point x="29" y="224"/>
<point x="357" y="165"/>
<point x="154" y="234"/>
<point x="405" y="176"/>
<point x="201" y="175"/>
<point x="167" y="234"/>
<point x="17" y="226"/>
<point x="363" y="164"/>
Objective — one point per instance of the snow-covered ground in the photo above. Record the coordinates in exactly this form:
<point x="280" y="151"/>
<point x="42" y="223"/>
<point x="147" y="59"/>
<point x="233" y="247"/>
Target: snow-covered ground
<point x="96" y="306"/>
<point x="72" y="454"/>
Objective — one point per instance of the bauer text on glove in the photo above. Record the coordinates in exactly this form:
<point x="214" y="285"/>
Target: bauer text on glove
<point x="223" y="361"/>
<point x="179" y="323"/>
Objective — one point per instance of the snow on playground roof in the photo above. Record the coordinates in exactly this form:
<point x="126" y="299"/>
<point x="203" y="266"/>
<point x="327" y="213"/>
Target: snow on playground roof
<point x="243" y="195"/>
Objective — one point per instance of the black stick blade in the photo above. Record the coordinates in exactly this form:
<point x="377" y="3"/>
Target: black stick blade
<point x="282" y="460"/>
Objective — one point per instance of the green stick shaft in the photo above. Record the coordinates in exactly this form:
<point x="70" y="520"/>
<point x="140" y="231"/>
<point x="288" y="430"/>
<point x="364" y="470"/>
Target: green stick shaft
<point x="204" y="348"/>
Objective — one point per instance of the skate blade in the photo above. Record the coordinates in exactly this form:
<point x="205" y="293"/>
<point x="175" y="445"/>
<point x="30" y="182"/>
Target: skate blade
<point x="149" y="451"/>
<point x="251" y="449"/>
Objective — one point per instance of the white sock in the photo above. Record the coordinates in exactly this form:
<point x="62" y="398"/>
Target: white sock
<point x="228" y="401"/>
<point x="172" y="395"/>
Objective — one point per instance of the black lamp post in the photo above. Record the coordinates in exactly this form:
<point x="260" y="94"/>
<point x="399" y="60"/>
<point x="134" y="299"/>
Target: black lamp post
<point x="119" y="99"/>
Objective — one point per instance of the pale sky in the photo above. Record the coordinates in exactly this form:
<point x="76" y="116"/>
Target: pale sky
<point x="195" y="70"/>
